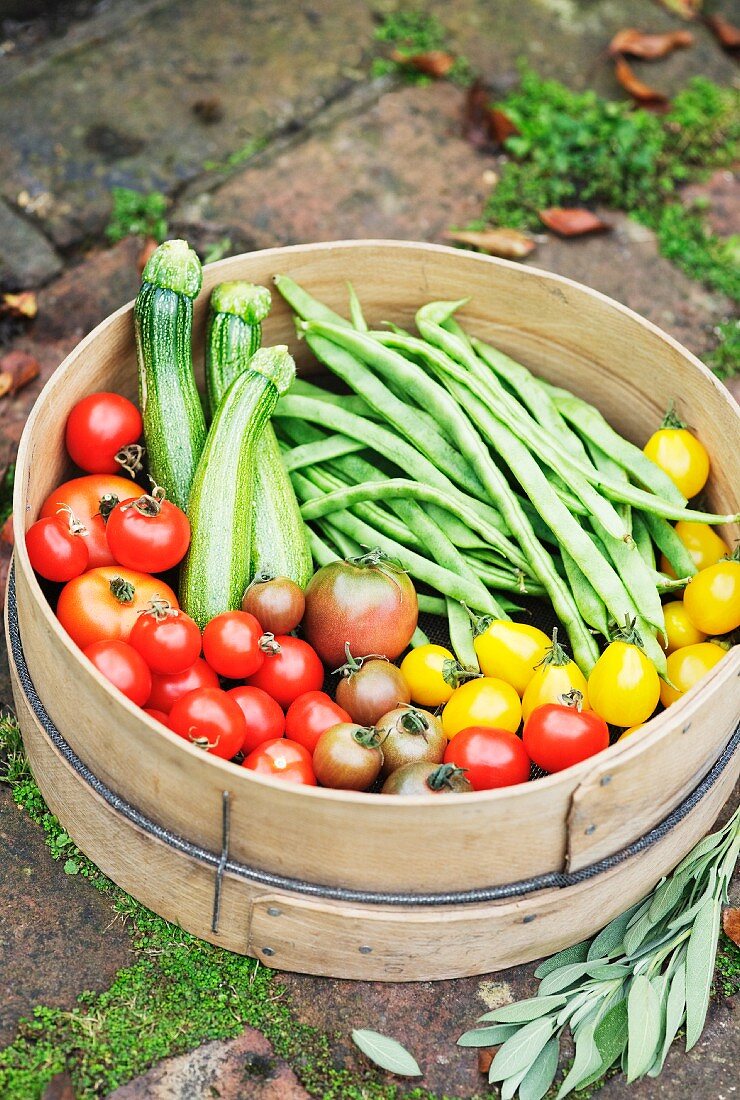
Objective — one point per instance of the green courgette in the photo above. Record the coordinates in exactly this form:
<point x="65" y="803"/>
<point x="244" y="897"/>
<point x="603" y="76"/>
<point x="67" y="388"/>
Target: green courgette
<point x="174" y="424"/>
<point x="279" y="546"/>
<point x="217" y="568"/>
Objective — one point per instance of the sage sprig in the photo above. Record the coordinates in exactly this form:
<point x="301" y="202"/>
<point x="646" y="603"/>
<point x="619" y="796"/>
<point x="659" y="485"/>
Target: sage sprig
<point x="624" y="994"/>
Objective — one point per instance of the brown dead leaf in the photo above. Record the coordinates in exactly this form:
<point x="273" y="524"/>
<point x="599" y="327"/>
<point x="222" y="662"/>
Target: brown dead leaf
<point x="731" y="924"/>
<point x="572" y="222"/>
<point x="17" y="369"/>
<point x="59" y="1088"/>
<point x="150" y="245"/>
<point x="6" y="534"/>
<point x="23" y="304"/>
<point x="476" y="115"/>
<point x="509" y="244"/>
<point x="725" y="32"/>
<point x="642" y="93"/>
<point x="687" y="9"/>
<point x="435" y="63"/>
<point x="650" y="47"/>
<point x="500" y="125"/>
<point x="485" y="1057"/>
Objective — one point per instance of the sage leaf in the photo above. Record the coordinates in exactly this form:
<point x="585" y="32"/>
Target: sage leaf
<point x="634" y="935"/>
<point x="607" y="971"/>
<point x="572" y="1005"/>
<point x="511" y="1084"/>
<point x="692" y="912"/>
<point x="674" y="1015"/>
<point x="520" y="1051"/>
<point x="610" y="938"/>
<point x="576" y="953"/>
<point x="386" y="1053"/>
<point x="668" y="895"/>
<point x="587" y="1061"/>
<point x="521" y="1011"/>
<point x="643" y="1027"/>
<point x="611" y="1033"/>
<point x="565" y="976"/>
<point x="706" y="845"/>
<point x="700" y="956"/>
<point x="487" y="1036"/>
<point x="541" y="1073"/>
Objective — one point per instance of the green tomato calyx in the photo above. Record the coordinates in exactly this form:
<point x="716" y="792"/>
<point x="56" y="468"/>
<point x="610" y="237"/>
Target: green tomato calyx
<point x="555" y="655"/>
<point x="672" y="419"/>
<point x="442" y="778"/>
<point x="454" y="674"/>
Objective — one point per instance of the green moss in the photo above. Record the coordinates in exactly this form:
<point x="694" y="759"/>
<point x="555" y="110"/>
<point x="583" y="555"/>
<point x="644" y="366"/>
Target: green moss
<point x="137" y="213"/>
<point x="727" y="970"/>
<point x="576" y="148"/>
<point x="724" y="358"/>
<point x="6" y="493"/>
<point x="412" y="31"/>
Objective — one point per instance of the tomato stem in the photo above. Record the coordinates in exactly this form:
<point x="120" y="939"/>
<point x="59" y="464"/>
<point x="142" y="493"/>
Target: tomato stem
<point x="413" y="721"/>
<point x="555" y="655"/>
<point x="129" y="459"/>
<point x="106" y="505"/>
<point x="368" y="736"/>
<point x="671" y="418"/>
<point x="572" y="699"/>
<point x="443" y="776"/>
<point x="454" y="674"/>
<point x="148" y="504"/>
<point x="354" y="664"/>
<point x="122" y="589"/>
<point x="269" y="644"/>
<point x="76" y="526"/>
<point x="628" y="633"/>
<point x="158" y="608"/>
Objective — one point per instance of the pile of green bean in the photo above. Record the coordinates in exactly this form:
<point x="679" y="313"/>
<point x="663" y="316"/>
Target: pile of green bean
<point x="479" y="477"/>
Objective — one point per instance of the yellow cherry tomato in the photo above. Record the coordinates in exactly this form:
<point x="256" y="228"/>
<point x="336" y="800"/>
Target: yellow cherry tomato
<point x="629" y="732"/>
<point x="686" y="667"/>
<point x="679" y="629"/>
<point x="556" y="676"/>
<point x="712" y="598"/>
<point x="487" y="702"/>
<point x="702" y="542"/>
<point x="623" y="687"/>
<point x="679" y="454"/>
<point x="422" y="670"/>
<point x="510" y="651"/>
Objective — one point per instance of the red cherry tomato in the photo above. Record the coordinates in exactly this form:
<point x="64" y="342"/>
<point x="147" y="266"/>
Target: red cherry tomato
<point x="282" y="759"/>
<point x="231" y="644"/>
<point x="158" y="716"/>
<point x="87" y="496"/>
<point x="98" y="427"/>
<point x="167" y="638"/>
<point x="557" y="737"/>
<point x="166" y="690"/>
<point x="56" y="550"/>
<point x="121" y="664"/>
<point x="491" y="757"/>
<point x="309" y="715"/>
<point x="149" y="534"/>
<point x="210" y="719"/>
<point x="265" y="720"/>
<point x="291" y="671"/>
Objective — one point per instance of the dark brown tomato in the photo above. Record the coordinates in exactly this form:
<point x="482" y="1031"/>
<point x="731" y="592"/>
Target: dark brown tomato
<point x="410" y="735"/>
<point x="277" y="603"/>
<point x="348" y="757"/>
<point x="369" y="688"/>
<point x="424" y="777"/>
<point x="367" y="603"/>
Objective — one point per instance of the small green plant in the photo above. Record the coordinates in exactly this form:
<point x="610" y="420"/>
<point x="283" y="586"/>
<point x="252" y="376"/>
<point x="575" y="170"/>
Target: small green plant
<point x="137" y="213"/>
<point x="217" y="250"/>
<point x="411" y="31"/>
<point x="239" y="156"/>
<point x="724" y="358"/>
<point x="6" y="492"/>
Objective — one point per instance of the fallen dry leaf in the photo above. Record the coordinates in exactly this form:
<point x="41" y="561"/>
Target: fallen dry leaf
<point x="23" y="304"/>
<point x="726" y="34"/>
<point x="572" y="222"/>
<point x="150" y="245"/>
<point x="485" y="1057"/>
<point x="731" y="924"/>
<point x="649" y="47"/>
<point x="687" y="9"/>
<point x="642" y="93"/>
<point x="509" y="244"/>
<point x="6" y="534"/>
<point x="501" y="126"/>
<point x="435" y="63"/>
<point x="59" y="1088"/>
<point x="476" y="122"/>
<point x="17" y="369"/>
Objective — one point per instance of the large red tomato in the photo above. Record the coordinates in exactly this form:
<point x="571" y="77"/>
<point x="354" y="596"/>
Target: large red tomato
<point x="309" y="715"/>
<point x="55" y="549"/>
<point x="265" y="720"/>
<point x="105" y="603"/>
<point x="167" y="638"/>
<point x="85" y="496"/>
<point x="557" y="737"/>
<point x="123" y="667"/>
<point x="99" y="426"/>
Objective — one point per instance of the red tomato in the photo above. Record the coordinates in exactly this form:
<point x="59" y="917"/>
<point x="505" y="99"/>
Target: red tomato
<point x="56" y="551"/>
<point x="210" y="719"/>
<point x="265" y="720"/>
<point x="122" y="665"/>
<point x="167" y="638"/>
<point x="491" y="757"/>
<point x="282" y="759"/>
<point x="158" y="716"/>
<point x="231" y="644"/>
<point x="291" y="671"/>
<point x="105" y="603"/>
<point x="148" y="533"/>
<point x="309" y="715"/>
<point x="166" y="690"/>
<point x="557" y="737"/>
<point x="98" y="427"/>
<point x="85" y="496"/>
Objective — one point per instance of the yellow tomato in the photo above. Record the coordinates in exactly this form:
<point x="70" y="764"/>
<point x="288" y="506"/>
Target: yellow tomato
<point x="712" y="598"/>
<point x="702" y="542"/>
<point x="422" y="669"/>
<point x="511" y="651"/>
<point x="629" y="732"/>
<point x="550" y="681"/>
<point x="686" y="667"/>
<point x="679" y="629"/>
<point x="483" y="702"/>
<point x="623" y="687"/>
<point x="680" y="455"/>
